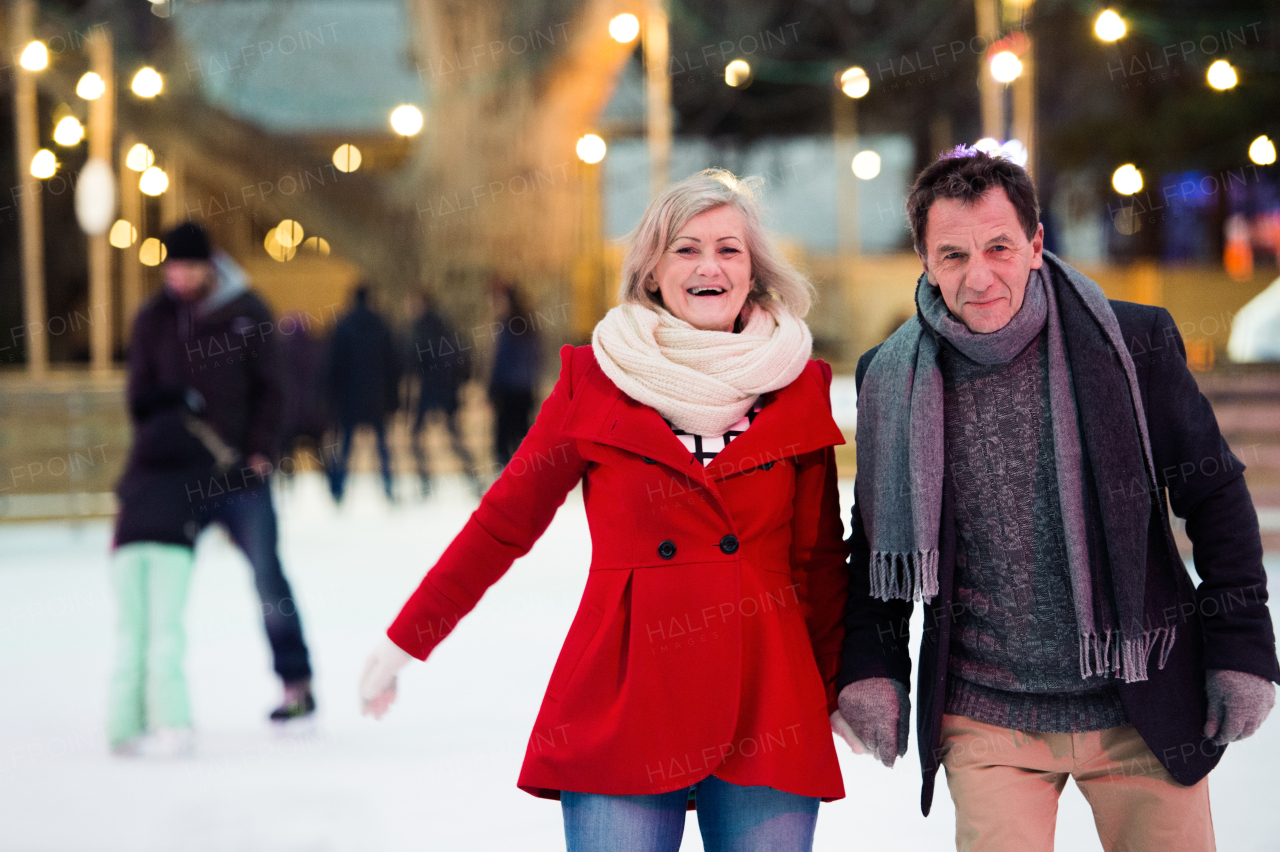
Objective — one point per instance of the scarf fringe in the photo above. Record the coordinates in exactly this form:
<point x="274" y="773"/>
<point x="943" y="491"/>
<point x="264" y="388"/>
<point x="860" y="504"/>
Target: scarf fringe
<point x="904" y="576"/>
<point x="1109" y="653"/>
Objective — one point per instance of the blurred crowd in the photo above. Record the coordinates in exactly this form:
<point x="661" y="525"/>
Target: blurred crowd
<point x="367" y="373"/>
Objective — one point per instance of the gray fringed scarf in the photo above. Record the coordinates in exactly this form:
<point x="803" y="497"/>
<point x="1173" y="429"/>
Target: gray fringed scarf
<point x="901" y="458"/>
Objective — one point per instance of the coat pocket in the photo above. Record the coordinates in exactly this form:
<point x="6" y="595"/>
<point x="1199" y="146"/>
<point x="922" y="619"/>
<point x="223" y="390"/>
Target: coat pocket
<point x="580" y="635"/>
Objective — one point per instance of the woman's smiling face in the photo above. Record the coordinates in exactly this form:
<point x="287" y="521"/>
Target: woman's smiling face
<point x="705" y="274"/>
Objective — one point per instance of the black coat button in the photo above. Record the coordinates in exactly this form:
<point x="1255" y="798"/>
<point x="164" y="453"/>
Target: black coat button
<point x="667" y="549"/>
<point x="729" y="544"/>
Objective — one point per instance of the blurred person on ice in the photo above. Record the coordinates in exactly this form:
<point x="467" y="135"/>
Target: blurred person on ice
<point x="514" y="380"/>
<point x="304" y="420"/>
<point x="208" y="340"/>
<point x="174" y="451"/>
<point x="441" y="362"/>
<point x="362" y="385"/>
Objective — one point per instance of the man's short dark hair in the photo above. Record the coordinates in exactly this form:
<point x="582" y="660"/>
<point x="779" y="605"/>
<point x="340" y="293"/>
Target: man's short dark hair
<point x="966" y="174"/>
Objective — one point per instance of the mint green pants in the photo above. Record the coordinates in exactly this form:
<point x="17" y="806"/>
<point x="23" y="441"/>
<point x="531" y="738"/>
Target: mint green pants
<point x="148" y="689"/>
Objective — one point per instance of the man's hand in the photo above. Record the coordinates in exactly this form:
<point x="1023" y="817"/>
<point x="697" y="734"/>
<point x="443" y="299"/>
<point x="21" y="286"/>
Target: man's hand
<point x="877" y="711"/>
<point x="1238" y="705"/>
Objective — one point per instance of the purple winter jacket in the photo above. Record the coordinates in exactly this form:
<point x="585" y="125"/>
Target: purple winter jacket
<point x="227" y="355"/>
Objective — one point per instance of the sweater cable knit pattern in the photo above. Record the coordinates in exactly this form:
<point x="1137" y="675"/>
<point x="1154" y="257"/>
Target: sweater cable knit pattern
<point x="1015" y="644"/>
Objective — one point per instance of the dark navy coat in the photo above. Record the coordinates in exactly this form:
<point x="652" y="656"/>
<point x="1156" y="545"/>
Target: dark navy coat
<point x="362" y="371"/>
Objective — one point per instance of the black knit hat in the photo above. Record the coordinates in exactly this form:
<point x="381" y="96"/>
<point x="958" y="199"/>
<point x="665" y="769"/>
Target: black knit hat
<point x="188" y="241"/>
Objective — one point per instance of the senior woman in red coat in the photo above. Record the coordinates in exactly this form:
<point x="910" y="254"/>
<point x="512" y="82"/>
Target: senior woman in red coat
<point x="700" y="667"/>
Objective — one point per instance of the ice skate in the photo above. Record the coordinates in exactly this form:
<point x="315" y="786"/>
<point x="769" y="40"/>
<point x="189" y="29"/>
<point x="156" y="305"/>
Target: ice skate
<point x="297" y="714"/>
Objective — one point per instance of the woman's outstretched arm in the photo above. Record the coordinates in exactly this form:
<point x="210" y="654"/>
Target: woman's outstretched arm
<point x="512" y="516"/>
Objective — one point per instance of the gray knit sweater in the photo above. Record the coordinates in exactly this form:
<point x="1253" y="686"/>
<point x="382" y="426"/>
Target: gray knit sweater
<point x="1014" y="642"/>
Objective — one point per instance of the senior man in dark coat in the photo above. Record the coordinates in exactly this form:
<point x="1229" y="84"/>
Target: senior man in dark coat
<point x="1017" y="441"/>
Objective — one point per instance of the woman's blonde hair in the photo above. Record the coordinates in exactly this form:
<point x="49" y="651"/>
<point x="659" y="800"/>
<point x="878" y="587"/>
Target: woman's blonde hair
<point x="775" y="280"/>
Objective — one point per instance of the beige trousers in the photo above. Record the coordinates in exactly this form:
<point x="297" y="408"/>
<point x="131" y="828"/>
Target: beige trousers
<point x="1006" y="783"/>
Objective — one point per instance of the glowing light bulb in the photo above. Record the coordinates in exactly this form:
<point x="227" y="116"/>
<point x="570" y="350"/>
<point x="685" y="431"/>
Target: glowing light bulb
<point x="147" y="83"/>
<point x="35" y="57"/>
<point x="1005" y="67"/>
<point x="140" y="158"/>
<point x="406" y="120"/>
<point x="1222" y="76"/>
<point x="90" y="86"/>
<point x="289" y="233"/>
<point x="591" y="148"/>
<point x="68" y="132"/>
<point x="152" y="252"/>
<point x="316" y="245"/>
<point x="153" y="181"/>
<point x="1262" y="151"/>
<point x="1109" y="26"/>
<point x="123" y="234"/>
<point x="854" y="82"/>
<point x="737" y="73"/>
<point x="44" y="164"/>
<point x="1127" y="179"/>
<point x="866" y="165"/>
<point x="624" y="27"/>
<point x="278" y="251"/>
<point x="347" y="158"/>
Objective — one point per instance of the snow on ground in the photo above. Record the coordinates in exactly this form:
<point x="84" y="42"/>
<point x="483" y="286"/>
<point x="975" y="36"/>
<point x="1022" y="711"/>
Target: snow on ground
<point x="438" y="773"/>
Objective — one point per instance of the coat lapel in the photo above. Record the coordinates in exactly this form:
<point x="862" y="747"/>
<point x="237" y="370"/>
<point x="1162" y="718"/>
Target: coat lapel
<point x="792" y="421"/>
<point x="602" y="413"/>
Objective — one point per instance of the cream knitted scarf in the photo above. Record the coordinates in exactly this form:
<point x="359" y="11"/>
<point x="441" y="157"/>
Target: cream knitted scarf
<point x="701" y="381"/>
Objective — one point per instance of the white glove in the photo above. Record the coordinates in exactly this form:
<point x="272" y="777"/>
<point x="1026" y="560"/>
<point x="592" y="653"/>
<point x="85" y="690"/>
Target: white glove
<point x="378" y="682"/>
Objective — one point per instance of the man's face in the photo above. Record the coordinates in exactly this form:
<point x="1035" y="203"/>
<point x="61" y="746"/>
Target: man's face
<point x="189" y="280"/>
<point x="979" y="257"/>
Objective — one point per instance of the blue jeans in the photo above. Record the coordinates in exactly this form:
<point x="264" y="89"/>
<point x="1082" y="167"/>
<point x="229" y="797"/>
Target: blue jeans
<point x="731" y="818"/>
<point x="250" y="520"/>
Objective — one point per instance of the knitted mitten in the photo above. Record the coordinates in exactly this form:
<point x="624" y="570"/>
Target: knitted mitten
<point x="1238" y="704"/>
<point x="879" y="712"/>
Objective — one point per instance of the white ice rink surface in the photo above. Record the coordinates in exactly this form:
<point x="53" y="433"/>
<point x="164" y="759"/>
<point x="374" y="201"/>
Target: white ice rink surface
<point x="439" y="772"/>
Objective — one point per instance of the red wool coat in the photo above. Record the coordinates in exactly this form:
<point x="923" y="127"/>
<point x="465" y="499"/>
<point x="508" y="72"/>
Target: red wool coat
<point x="709" y="635"/>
